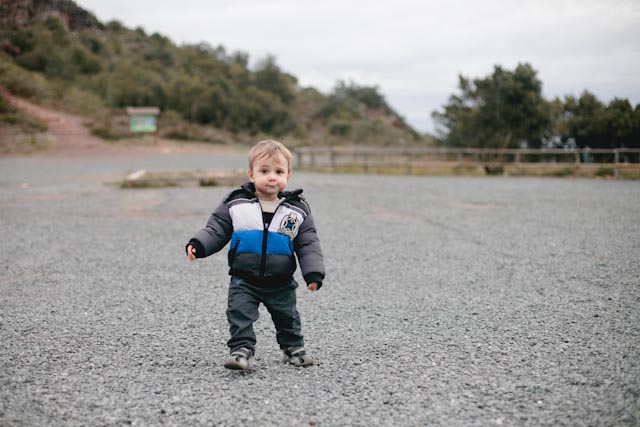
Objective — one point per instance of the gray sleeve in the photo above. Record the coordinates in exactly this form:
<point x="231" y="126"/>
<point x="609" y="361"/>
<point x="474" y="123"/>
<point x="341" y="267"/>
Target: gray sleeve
<point x="309" y="251"/>
<point x="217" y="233"/>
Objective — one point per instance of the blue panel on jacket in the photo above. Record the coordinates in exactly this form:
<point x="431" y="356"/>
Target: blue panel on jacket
<point x="251" y="241"/>
<point x="279" y="244"/>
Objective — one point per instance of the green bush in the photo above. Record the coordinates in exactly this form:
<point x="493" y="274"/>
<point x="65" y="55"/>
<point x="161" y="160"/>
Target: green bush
<point x="564" y="172"/>
<point x="605" y="172"/>
<point x="172" y="125"/>
<point x="84" y="61"/>
<point x="340" y="128"/>
<point x="21" y="41"/>
<point x="81" y="102"/>
<point x="92" y="43"/>
<point x="336" y="107"/>
<point x="111" y="126"/>
<point x="22" y="82"/>
<point x="53" y="24"/>
<point x="367" y="95"/>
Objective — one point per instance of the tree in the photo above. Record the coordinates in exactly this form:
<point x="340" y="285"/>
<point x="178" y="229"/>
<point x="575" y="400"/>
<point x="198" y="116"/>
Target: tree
<point x="367" y="95"/>
<point x="504" y="110"/>
<point x="622" y="124"/>
<point x="350" y="101"/>
<point x="269" y="78"/>
<point x="636" y="127"/>
<point x="133" y="85"/>
<point x="585" y="120"/>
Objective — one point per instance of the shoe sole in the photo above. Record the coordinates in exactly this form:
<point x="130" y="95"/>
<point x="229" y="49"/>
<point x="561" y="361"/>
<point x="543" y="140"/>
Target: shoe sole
<point x="233" y="364"/>
<point x="305" y="360"/>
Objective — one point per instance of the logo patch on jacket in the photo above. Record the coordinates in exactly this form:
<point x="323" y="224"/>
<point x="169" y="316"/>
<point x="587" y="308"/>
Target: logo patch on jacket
<point x="289" y="225"/>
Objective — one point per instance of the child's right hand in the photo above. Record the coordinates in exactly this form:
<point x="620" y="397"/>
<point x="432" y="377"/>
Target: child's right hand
<point x="191" y="253"/>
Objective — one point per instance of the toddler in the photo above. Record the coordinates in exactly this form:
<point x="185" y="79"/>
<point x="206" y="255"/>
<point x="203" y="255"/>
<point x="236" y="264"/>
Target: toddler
<point x="268" y="227"/>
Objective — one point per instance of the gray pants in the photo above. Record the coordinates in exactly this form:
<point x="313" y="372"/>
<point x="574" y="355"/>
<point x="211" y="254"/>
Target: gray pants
<point x="242" y="311"/>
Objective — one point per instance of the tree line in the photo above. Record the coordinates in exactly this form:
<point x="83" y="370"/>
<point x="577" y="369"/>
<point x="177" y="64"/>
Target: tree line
<point x="507" y="110"/>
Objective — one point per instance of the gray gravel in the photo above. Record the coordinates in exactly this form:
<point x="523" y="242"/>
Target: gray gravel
<point x="449" y="301"/>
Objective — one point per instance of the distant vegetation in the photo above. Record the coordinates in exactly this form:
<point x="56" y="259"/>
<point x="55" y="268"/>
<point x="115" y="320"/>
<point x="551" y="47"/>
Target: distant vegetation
<point x="507" y="110"/>
<point x="21" y="132"/>
<point x="82" y="66"/>
<point x="204" y="92"/>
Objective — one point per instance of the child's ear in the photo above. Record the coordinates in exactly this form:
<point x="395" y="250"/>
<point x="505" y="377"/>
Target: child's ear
<point x="250" y="175"/>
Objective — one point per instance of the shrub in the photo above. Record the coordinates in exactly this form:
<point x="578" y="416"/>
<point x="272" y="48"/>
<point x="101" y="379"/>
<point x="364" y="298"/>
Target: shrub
<point x="77" y="101"/>
<point x="22" y="82"/>
<point x="85" y="61"/>
<point x="340" y="128"/>
<point x="21" y="41"/>
<point x="110" y="126"/>
<point x="494" y="170"/>
<point x="564" y="172"/>
<point x="605" y="172"/>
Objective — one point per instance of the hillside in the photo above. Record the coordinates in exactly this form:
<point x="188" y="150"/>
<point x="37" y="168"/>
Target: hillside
<point x="59" y="55"/>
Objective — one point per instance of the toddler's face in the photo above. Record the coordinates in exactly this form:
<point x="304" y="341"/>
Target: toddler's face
<point x="270" y="175"/>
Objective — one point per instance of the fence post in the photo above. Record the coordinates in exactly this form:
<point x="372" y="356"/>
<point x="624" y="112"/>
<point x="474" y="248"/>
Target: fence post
<point x="333" y="160"/>
<point x="616" y="161"/>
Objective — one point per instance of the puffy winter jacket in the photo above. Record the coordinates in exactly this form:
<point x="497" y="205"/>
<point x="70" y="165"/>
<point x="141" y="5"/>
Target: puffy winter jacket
<point x="263" y="254"/>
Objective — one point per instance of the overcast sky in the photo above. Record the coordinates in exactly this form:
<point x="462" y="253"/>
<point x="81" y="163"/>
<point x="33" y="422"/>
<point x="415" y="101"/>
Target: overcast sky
<point x="413" y="50"/>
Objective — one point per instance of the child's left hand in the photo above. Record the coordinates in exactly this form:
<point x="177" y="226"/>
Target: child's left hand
<point x="313" y="286"/>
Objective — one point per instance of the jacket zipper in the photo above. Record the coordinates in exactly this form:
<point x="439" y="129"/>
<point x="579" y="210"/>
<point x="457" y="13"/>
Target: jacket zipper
<point x="265" y="236"/>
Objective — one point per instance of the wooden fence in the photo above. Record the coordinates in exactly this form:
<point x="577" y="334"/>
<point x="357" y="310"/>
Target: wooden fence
<point x="412" y="160"/>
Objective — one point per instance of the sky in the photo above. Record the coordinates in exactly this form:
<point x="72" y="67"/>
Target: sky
<point x="412" y="50"/>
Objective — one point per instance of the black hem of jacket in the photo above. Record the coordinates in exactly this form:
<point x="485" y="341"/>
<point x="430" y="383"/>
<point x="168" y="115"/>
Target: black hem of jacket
<point x="262" y="282"/>
<point x="274" y="281"/>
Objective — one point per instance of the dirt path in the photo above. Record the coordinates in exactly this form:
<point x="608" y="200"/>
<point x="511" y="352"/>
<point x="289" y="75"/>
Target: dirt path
<point x="68" y="133"/>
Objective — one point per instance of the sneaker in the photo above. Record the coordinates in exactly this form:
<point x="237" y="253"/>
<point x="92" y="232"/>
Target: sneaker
<point x="297" y="356"/>
<point x="241" y="359"/>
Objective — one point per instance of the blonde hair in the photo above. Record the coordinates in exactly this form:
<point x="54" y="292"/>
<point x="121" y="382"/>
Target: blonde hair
<point x="268" y="148"/>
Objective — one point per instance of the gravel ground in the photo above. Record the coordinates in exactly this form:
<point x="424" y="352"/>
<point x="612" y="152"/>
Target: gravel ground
<point x="449" y="301"/>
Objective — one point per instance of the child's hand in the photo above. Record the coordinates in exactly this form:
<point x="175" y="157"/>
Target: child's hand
<point x="313" y="286"/>
<point x="191" y="253"/>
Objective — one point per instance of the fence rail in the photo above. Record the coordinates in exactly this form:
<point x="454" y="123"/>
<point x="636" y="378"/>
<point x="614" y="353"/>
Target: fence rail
<point x="415" y="159"/>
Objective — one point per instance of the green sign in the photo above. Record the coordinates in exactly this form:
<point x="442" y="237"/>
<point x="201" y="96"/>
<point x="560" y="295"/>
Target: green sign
<point x="140" y="123"/>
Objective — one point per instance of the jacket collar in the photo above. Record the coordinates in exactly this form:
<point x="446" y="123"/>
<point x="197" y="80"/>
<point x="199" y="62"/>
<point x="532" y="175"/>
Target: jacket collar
<point x="286" y="195"/>
<point x="249" y="186"/>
